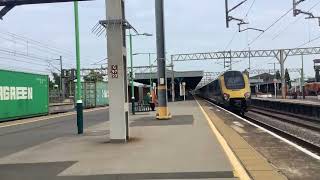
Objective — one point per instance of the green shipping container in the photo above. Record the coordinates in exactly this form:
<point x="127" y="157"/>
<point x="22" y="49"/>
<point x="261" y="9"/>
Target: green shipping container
<point x="95" y="94"/>
<point x="102" y="94"/>
<point x="23" y="95"/>
<point x="89" y="94"/>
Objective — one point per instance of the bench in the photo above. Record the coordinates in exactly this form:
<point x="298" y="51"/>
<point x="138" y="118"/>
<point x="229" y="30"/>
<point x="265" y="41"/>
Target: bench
<point x="141" y="107"/>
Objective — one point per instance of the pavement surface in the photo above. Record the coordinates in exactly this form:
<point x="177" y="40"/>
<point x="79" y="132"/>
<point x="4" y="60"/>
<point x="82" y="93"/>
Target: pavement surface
<point x="24" y="135"/>
<point x="181" y="148"/>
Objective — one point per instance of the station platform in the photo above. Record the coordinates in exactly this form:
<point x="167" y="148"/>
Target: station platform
<point x="313" y="101"/>
<point x="192" y="145"/>
<point x="299" y="108"/>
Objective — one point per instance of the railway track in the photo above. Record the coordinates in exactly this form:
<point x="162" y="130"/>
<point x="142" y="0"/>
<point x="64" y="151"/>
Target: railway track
<point x="270" y="121"/>
<point x="308" y="123"/>
<point x="284" y="132"/>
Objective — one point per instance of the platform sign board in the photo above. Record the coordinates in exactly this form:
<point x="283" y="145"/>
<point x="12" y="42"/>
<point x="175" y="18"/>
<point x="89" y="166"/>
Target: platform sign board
<point x="23" y="95"/>
<point x="182" y="89"/>
<point x="275" y="82"/>
<point x="114" y="71"/>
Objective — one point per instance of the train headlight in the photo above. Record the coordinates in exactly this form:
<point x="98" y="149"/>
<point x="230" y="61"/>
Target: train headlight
<point x="247" y="95"/>
<point x="226" y="96"/>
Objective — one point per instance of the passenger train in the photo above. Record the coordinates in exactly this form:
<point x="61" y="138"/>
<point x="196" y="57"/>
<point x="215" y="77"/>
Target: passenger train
<point x="231" y="89"/>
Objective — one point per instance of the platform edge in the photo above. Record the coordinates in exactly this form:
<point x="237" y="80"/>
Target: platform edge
<point x="239" y="169"/>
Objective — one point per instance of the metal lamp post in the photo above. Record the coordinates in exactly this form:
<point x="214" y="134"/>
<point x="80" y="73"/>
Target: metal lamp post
<point x="150" y="72"/>
<point x="61" y="93"/>
<point x="79" y="98"/>
<point x="131" y="67"/>
<point x="150" y="65"/>
<point x="302" y="78"/>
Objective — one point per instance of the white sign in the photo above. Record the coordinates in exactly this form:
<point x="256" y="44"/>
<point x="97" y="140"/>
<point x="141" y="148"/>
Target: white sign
<point x="182" y="89"/>
<point x="162" y="81"/>
<point x="15" y="93"/>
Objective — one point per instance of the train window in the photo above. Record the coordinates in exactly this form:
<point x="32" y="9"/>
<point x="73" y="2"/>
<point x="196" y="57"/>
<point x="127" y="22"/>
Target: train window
<point x="234" y="80"/>
<point x="218" y="87"/>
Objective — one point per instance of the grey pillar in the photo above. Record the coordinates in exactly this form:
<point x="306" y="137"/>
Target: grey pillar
<point x="117" y="71"/>
<point x="62" y="95"/>
<point x="283" y="80"/>
<point x="163" y="111"/>
<point x="141" y="93"/>
<point x="172" y="83"/>
<point x="63" y="88"/>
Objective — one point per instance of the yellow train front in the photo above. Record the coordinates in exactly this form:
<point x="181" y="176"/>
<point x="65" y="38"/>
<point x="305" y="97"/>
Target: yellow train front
<point x="231" y="89"/>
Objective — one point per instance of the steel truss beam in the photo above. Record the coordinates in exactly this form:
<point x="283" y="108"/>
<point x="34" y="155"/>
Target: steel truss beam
<point x="147" y="69"/>
<point x="210" y="76"/>
<point x="272" y="71"/>
<point x="104" y="71"/>
<point x="245" y="54"/>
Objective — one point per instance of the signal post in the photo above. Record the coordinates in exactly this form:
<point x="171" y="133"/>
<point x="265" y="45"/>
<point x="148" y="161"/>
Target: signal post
<point x="163" y="110"/>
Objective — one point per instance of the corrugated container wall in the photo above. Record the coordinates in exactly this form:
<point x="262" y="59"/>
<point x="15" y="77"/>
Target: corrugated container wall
<point x="102" y="94"/>
<point x="23" y="95"/>
<point x="95" y="94"/>
<point x="89" y="94"/>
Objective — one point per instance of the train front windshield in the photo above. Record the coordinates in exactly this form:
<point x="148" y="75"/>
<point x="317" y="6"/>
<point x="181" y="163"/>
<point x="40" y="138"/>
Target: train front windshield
<point x="234" y="80"/>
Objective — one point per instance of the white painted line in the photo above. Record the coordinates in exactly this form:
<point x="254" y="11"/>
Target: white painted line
<point x="238" y="129"/>
<point x="238" y="124"/>
<point x="21" y="122"/>
<point x="271" y="133"/>
<point x="239" y="170"/>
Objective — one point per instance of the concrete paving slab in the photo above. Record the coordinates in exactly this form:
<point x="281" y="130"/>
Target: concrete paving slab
<point x="183" y="147"/>
<point x="256" y="165"/>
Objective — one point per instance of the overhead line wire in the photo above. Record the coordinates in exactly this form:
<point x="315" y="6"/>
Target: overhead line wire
<point x="39" y="49"/>
<point x="11" y="52"/>
<point x="231" y="40"/>
<point x="8" y="67"/>
<point x="250" y="8"/>
<point x="29" y="46"/>
<point x="29" y="40"/>
<point x="235" y="33"/>
<point x="12" y="59"/>
<point x="312" y="40"/>
<point x="40" y="44"/>
<point x="283" y="30"/>
<point x="270" y="26"/>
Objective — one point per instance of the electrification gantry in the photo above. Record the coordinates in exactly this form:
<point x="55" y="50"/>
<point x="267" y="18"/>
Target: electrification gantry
<point x="280" y="54"/>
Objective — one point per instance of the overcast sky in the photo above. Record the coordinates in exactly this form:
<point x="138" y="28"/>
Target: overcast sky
<point x="191" y="26"/>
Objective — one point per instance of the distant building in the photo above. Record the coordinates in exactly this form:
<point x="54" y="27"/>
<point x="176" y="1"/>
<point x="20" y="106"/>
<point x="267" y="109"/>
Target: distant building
<point x="263" y="83"/>
<point x="262" y="78"/>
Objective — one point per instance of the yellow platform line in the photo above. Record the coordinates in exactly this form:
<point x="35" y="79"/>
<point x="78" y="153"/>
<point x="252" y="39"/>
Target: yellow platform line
<point x="239" y="170"/>
<point x="25" y="121"/>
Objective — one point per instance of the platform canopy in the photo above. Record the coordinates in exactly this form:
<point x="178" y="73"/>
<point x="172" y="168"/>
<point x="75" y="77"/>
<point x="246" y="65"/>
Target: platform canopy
<point x="9" y="4"/>
<point x="191" y="78"/>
